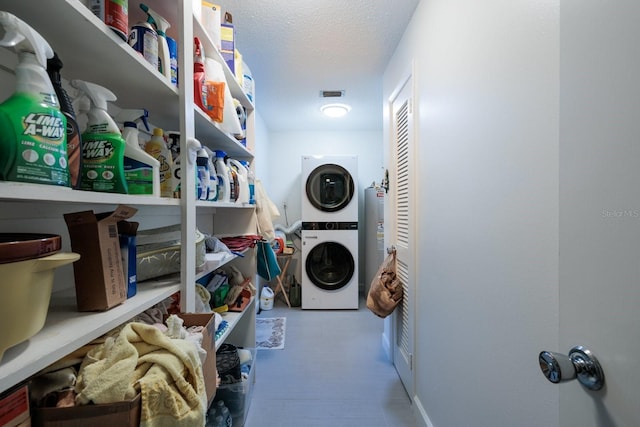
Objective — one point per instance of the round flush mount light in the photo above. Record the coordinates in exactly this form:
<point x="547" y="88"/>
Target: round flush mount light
<point x="335" y="110"/>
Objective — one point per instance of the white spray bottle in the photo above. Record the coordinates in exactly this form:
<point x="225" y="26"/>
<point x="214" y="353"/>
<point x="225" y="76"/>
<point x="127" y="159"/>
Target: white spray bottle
<point x="141" y="170"/>
<point x="162" y="25"/>
<point x="33" y="139"/>
<point x="102" y="143"/>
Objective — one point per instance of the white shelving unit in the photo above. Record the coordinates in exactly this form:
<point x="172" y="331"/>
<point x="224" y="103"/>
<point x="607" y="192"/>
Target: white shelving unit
<point x="90" y="51"/>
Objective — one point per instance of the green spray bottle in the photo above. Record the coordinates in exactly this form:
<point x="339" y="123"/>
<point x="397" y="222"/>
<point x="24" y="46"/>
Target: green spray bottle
<point x="102" y="143"/>
<point x="33" y="140"/>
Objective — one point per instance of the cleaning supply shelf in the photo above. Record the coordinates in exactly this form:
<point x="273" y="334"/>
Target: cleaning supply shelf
<point x="67" y="329"/>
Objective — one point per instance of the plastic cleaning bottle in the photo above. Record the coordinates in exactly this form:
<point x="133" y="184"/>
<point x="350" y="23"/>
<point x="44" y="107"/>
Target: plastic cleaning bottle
<point x="198" y="74"/>
<point x="202" y="167"/>
<point x="213" y="176"/>
<point x="234" y="185"/>
<point x="242" y="190"/>
<point x="158" y="148"/>
<point x="33" y="140"/>
<point x="102" y="143"/>
<point x="74" y="143"/>
<point x="251" y="181"/>
<point x="161" y="26"/>
<point x="141" y="170"/>
<point x="223" y="413"/>
<point x="173" y="141"/>
<point x="224" y="187"/>
<point x="143" y="38"/>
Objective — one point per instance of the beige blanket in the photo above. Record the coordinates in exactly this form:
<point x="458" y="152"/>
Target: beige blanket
<point x="141" y="359"/>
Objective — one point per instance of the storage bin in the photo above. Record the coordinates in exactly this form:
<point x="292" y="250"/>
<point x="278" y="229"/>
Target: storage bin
<point x="121" y="414"/>
<point x="158" y="252"/>
<point x="237" y="396"/>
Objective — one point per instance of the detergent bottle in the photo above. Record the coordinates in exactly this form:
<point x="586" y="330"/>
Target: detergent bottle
<point x="242" y="190"/>
<point x="158" y="148"/>
<point x="202" y="176"/>
<point x="198" y="74"/>
<point x="224" y="188"/>
<point x="141" y="170"/>
<point x="74" y="149"/>
<point x="161" y="25"/>
<point x="102" y="143"/>
<point x="33" y="139"/>
<point x="213" y="177"/>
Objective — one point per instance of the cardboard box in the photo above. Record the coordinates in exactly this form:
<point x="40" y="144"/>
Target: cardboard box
<point x="14" y="407"/>
<point x="99" y="277"/>
<point x="127" y="234"/>
<point x="208" y="344"/>
<point x="121" y="414"/>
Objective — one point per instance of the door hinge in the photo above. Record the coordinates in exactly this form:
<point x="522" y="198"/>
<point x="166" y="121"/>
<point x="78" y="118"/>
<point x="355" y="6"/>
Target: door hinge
<point x="411" y="361"/>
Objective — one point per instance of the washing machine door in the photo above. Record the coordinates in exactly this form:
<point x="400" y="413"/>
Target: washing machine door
<point x="330" y="187"/>
<point x="330" y="266"/>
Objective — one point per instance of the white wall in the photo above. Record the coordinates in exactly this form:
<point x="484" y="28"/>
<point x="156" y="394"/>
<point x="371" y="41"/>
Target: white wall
<point x="487" y="296"/>
<point x="284" y="167"/>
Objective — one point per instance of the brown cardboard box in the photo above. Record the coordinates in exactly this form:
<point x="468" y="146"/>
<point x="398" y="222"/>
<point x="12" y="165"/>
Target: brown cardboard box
<point x="209" y="344"/>
<point x="120" y="414"/>
<point x="99" y="277"/>
<point x="14" y="407"/>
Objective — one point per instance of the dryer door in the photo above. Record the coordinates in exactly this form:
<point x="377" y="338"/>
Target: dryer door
<point x="330" y="187"/>
<point x="330" y="266"/>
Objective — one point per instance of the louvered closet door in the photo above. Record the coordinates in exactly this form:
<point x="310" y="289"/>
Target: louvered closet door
<point x="402" y="237"/>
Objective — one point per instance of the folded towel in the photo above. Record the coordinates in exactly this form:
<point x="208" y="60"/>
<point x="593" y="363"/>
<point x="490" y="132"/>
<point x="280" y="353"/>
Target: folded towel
<point x="141" y="359"/>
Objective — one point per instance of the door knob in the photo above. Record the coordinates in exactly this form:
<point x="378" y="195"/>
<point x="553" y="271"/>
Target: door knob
<point x="580" y="364"/>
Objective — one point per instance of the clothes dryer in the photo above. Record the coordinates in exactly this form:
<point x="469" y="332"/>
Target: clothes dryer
<point x="329" y="265"/>
<point x="329" y="188"/>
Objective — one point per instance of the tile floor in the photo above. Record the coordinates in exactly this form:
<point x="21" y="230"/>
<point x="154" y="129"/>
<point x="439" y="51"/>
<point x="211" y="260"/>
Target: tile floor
<point x="332" y="372"/>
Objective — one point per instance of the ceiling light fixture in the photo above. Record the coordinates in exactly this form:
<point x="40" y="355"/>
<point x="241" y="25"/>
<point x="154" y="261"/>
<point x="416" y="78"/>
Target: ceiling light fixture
<point x="335" y="110"/>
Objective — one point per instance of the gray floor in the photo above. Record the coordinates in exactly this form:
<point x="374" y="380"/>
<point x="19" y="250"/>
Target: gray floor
<point x="332" y="372"/>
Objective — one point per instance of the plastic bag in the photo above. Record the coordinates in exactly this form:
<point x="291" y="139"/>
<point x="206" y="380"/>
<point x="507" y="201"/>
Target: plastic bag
<point x="385" y="292"/>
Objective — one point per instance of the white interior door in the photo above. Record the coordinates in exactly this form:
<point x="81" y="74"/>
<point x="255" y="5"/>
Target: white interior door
<point x="600" y="206"/>
<point x="403" y="229"/>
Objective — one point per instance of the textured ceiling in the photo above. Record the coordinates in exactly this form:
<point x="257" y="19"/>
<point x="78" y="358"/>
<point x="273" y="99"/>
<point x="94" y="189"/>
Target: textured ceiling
<point x="296" y="49"/>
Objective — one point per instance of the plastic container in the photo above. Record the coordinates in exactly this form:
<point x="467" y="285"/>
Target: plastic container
<point x="213" y="176"/>
<point x="16" y="247"/>
<point x="161" y="26"/>
<point x="141" y="170"/>
<point x="102" y="143"/>
<point x="222" y="171"/>
<point x="266" y="298"/>
<point x="242" y="189"/>
<point x="158" y="148"/>
<point x="202" y="168"/>
<point x="74" y="143"/>
<point x="26" y="291"/>
<point x="198" y="74"/>
<point x="31" y="117"/>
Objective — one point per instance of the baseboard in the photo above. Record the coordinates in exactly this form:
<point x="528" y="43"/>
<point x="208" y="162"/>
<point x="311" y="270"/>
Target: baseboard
<point x="386" y="347"/>
<point x="421" y="414"/>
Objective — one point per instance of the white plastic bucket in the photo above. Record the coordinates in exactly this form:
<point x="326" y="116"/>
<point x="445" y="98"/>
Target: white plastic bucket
<point x="266" y="298"/>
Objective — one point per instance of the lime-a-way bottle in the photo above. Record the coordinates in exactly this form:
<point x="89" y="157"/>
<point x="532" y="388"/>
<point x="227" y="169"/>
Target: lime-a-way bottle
<point x="102" y="143"/>
<point x="33" y="140"/>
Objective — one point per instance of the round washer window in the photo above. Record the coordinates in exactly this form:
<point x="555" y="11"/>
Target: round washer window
<point x="330" y="187"/>
<point x="330" y="266"/>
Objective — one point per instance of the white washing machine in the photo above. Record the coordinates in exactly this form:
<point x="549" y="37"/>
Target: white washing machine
<point x="329" y="265"/>
<point x="329" y="188"/>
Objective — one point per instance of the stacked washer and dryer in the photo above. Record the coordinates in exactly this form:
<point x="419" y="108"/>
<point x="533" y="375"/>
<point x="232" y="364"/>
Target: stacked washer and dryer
<point x="329" y="232"/>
